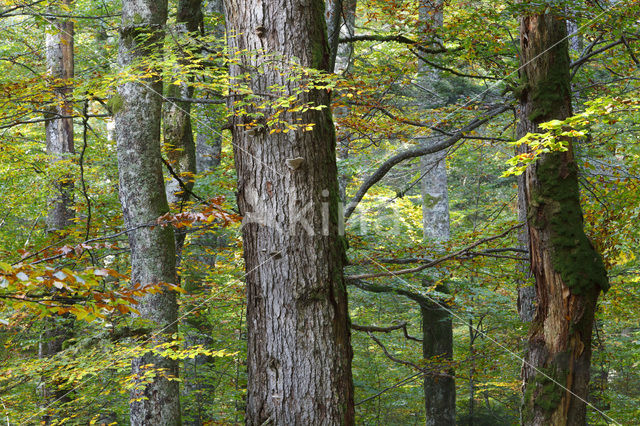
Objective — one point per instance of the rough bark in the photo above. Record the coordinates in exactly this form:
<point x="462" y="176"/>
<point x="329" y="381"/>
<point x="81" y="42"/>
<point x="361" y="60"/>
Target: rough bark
<point x="299" y="351"/>
<point x="437" y="331"/>
<point x="569" y="273"/>
<point x="526" y="291"/>
<point x="138" y="109"/>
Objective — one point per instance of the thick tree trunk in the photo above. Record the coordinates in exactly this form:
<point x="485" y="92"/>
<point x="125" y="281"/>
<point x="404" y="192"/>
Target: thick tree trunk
<point x="138" y="110"/>
<point x="569" y="273"/>
<point x="59" y="138"/>
<point x="299" y="351"/>
<point x="437" y="330"/>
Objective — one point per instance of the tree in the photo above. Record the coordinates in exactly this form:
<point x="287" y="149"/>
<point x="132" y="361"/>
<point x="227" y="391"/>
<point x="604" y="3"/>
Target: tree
<point x="299" y="352"/>
<point x="569" y="273"/>
<point x="437" y="331"/>
<point x="143" y="200"/>
<point x="60" y="145"/>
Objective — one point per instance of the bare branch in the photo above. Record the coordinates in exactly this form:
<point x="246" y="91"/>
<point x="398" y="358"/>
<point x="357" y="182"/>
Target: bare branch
<point x="431" y="264"/>
<point x="374" y="329"/>
<point x="417" y="152"/>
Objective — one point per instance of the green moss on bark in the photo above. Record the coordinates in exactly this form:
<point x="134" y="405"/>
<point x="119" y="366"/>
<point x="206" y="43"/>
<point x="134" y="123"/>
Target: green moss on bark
<point x="557" y="205"/>
<point x="115" y="103"/>
<point x="546" y="389"/>
<point x="554" y="88"/>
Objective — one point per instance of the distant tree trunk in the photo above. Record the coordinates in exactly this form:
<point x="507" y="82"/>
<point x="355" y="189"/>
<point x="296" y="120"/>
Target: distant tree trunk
<point x="299" y="351"/>
<point x="341" y="63"/>
<point x="59" y="124"/>
<point x="138" y="109"/>
<point x="569" y="273"/>
<point x="178" y="132"/>
<point x="211" y="117"/>
<point x="59" y="138"/>
<point x="437" y="326"/>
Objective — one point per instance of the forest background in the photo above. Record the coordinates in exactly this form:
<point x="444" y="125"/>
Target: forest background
<point x="403" y="80"/>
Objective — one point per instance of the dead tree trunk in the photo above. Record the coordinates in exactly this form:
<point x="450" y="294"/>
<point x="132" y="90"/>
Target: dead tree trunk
<point x="569" y="273"/>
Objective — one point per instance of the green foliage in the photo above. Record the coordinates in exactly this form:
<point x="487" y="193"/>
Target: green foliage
<point x="380" y="109"/>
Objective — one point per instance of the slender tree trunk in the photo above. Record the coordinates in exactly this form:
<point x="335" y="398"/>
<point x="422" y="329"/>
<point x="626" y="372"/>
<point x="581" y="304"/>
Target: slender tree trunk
<point x="437" y="340"/>
<point x="178" y="133"/>
<point x="342" y="64"/>
<point x="299" y="351"/>
<point x="59" y="138"/>
<point x="138" y="109"/>
<point x="569" y="273"/>
<point x="59" y="126"/>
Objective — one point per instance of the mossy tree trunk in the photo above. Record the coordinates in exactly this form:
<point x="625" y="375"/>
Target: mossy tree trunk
<point x="138" y="111"/>
<point x="569" y="273"/>
<point x="299" y="350"/>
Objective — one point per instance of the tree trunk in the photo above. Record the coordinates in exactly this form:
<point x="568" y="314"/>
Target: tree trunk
<point x="178" y="133"/>
<point x="569" y="273"/>
<point x="437" y="344"/>
<point x="59" y="139"/>
<point x="437" y="326"/>
<point x="138" y="109"/>
<point x="59" y="125"/>
<point x="299" y="351"/>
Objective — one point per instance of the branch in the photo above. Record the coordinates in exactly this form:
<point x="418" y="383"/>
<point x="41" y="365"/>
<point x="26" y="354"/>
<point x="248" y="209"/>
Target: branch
<point x="373" y="328"/>
<point x="431" y="264"/>
<point x="198" y="100"/>
<point x="373" y="288"/>
<point x="588" y="56"/>
<point x="452" y="71"/>
<point x="409" y="260"/>
<point x="416" y="152"/>
<point x="397" y="39"/>
<point x="393" y="358"/>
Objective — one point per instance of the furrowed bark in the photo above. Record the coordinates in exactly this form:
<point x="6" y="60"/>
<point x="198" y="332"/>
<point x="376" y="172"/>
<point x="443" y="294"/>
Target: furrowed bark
<point x="138" y="108"/>
<point x="568" y="271"/>
<point x="299" y="351"/>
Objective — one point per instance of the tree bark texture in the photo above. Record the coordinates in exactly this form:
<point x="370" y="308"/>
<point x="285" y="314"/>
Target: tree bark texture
<point x="299" y="351"/>
<point x="138" y="109"/>
<point x="568" y="271"/>
<point x="437" y="325"/>
<point x="59" y="125"/>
